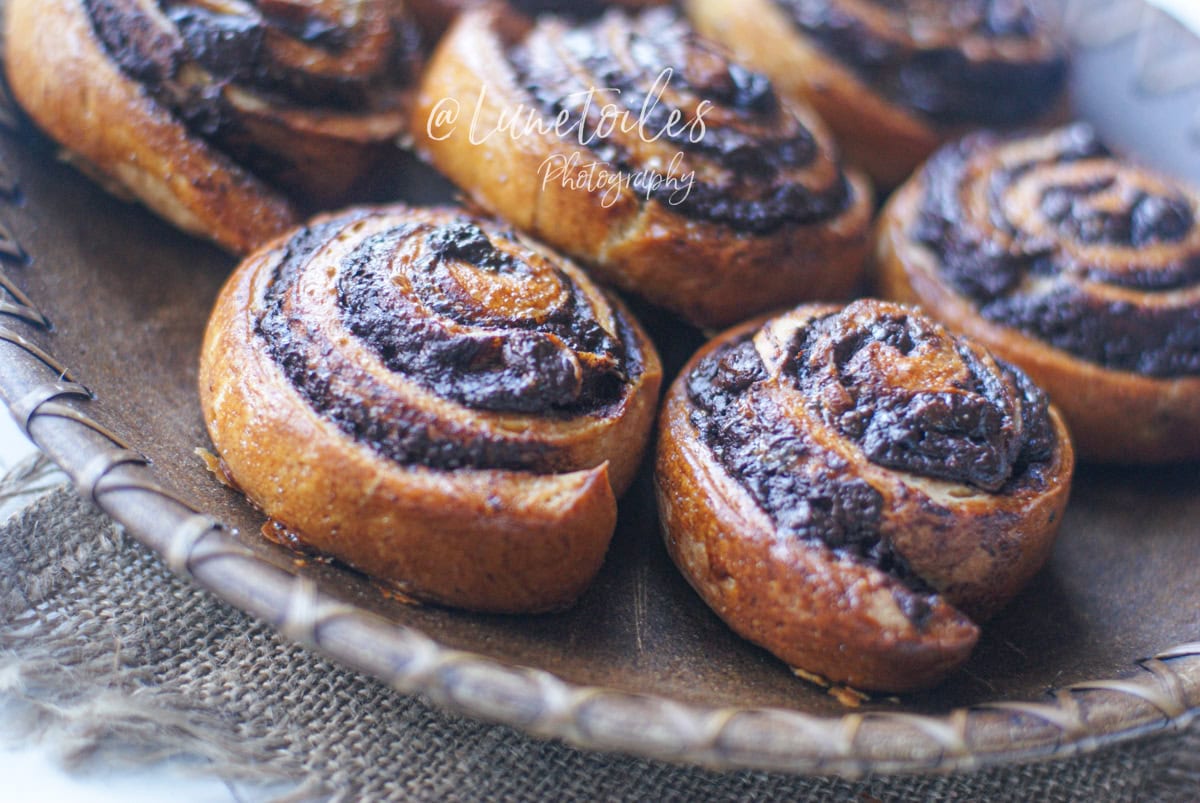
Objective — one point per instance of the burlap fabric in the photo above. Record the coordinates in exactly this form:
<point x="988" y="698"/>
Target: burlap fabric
<point x="110" y="658"/>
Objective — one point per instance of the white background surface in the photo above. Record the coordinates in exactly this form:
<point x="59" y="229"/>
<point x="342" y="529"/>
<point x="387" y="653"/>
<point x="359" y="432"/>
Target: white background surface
<point x="1185" y="10"/>
<point x="29" y="771"/>
<point x="13" y="445"/>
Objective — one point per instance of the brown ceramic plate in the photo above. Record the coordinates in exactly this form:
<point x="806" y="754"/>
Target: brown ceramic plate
<point x="1103" y="646"/>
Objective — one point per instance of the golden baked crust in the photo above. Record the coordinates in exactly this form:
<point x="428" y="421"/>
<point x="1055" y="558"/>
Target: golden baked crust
<point x="132" y="132"/>
<point x="882" y="136"/>
<point x="858" y="554"/>
<point x="432" y="401"/>
<point x="737" y="242"/>
<point x="1117" y="303"/>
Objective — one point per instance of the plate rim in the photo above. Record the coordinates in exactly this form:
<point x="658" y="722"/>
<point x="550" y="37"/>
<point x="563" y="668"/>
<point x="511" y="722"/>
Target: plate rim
<point x="1158" y="693"/>
<point x="1161" y="692"/>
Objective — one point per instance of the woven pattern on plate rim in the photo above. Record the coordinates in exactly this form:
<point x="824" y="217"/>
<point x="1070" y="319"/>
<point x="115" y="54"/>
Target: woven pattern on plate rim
<point x="1160" y="692"/>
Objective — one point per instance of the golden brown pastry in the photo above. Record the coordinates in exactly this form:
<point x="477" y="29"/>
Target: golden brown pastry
<point x="1079" y="267"/>
<point x="223" y="116"/>
<point x="895" y="78"/>
<point x="641" y="150"/>
<point x="855" y="488"/>
<point x="432" y="400"/>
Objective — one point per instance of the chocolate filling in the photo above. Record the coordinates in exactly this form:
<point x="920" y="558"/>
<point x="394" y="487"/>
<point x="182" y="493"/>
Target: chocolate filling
<point x="757" y="149"/>
<point x="188" y="54"/>
<point x="994" y="432"/>
<point x="806" y="491"/>
<point x="980" y="430"/>
<point x="989" y="262"/>
<point x="581" y="9"/>
<point x="494" y="365"/>
<point x="505" y="364"/>
<point x="943" y="84"/>
<point x="232" y="47"/>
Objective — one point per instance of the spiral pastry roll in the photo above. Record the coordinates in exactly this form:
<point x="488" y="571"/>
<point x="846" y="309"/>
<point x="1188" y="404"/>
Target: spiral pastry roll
<point x="433" y="401"/>
<point x="854" y="488"/>
<point x="1079" y="267"/>
<point x="225" y="117"/>
<point x="896" y="78"/>
<point x="640" y="149"/>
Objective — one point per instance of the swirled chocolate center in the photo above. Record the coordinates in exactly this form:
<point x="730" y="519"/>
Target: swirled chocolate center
<point x="1100" y="211"/>
<point x="908" y="394"/>
<point x="914" y="399"/>
<point x="1089" y="255"/>
<point x="807" y="492"/>
<point x="189" y="54"/>
<point x="506" y="360"/>
<point x="434" y="304"/>
<point x="925" y="56"/>
<point x="623" y="83"/>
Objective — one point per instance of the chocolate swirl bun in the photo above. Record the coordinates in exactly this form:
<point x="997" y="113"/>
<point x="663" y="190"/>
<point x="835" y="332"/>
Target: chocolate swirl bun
<point x="851" y="487"/>
<point x="1079" y="267"/>
<point x="640" y="149"/>
<point x="223" y="116"/>
<point x="895" y="78"/>
<point x="432" y="400"/>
